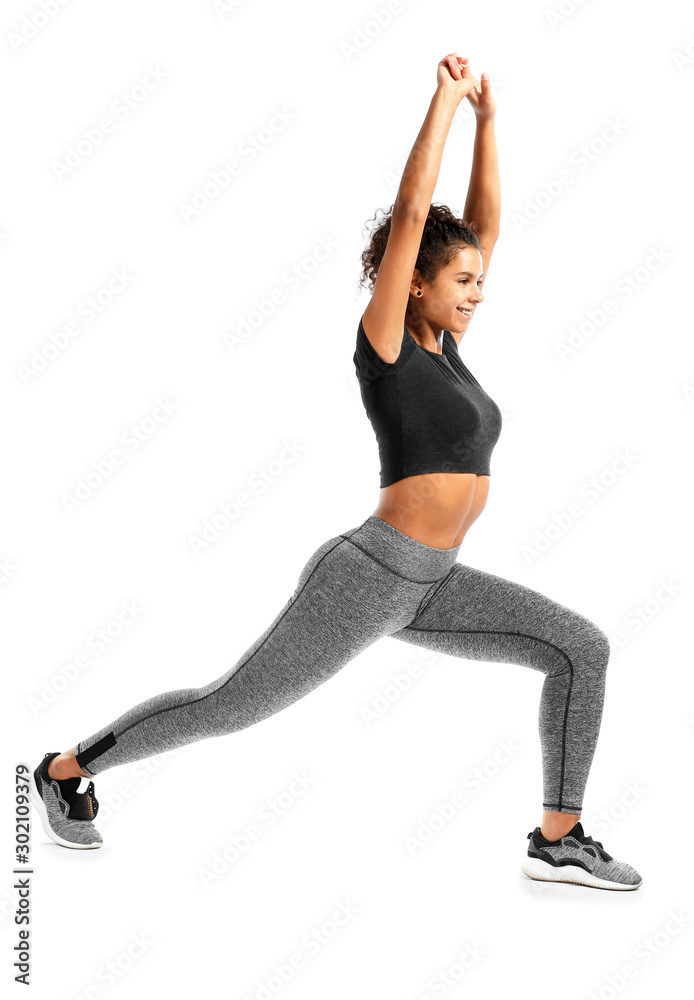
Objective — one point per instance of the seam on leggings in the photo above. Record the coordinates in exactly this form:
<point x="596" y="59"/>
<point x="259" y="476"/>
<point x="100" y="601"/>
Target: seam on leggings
<point x="446" y="579"/>
<point x="561" y="805"/>
<point x="411" y="579"/>
<point x="525" y="635"/>
<point x="419" y="609"/>
<point x="171" y="708"/>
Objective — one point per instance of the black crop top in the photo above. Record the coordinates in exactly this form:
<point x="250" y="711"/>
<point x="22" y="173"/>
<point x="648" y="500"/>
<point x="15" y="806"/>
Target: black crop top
<point x="430" y="414"/>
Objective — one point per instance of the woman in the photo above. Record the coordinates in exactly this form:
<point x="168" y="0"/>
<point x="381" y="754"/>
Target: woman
<point x="396" y="573"/>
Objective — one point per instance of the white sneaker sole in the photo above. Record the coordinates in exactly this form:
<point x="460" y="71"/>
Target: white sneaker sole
<point x="45" y="823"/>
<point x="542" y="871"/>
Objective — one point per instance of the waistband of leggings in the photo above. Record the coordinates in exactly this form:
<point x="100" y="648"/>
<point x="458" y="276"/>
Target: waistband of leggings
<point x="404" y="555"/>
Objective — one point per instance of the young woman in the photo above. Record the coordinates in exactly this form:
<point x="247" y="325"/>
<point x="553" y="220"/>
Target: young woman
<point x="397" y="573"/>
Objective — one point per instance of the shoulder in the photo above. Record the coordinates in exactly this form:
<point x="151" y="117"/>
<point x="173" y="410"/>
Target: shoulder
<point x="368" y="362"/>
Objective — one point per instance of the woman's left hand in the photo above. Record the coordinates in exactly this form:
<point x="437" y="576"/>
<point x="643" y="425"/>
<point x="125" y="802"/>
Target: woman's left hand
<point x="480" y="97"/>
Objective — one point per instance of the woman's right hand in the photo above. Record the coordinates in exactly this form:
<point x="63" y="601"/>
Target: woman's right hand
<point x="450" y="79"/>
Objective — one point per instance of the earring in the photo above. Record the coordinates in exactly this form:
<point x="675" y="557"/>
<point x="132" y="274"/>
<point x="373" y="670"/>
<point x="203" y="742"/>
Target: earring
<point x="418" y="292"/>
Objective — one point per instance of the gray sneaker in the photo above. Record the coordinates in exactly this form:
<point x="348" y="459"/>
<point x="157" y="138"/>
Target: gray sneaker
<point x="66" y="807"/>
<point x="577" y="858"/>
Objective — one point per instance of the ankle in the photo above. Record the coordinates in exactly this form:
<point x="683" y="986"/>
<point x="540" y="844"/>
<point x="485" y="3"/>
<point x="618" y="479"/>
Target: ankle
<point x="556" y="825"/>
<point x="65" y="766"/>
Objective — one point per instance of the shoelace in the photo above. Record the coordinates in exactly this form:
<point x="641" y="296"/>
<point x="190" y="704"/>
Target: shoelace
<point x="92" y="798"/>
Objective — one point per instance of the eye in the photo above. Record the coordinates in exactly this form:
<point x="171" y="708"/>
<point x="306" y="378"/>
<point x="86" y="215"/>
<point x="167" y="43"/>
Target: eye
<point x="463" y="281"/>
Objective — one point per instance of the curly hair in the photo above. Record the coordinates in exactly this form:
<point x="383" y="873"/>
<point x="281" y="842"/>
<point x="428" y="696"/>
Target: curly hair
<point x="444" y="234"/>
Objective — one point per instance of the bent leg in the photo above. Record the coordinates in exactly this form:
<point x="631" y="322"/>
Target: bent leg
<point x="343" y="602"/>
<point x="481" y="616"/>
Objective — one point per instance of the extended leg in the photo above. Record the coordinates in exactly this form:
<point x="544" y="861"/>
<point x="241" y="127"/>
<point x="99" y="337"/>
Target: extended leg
<point x="481" y="616"/>
<point x="343" y="602"/>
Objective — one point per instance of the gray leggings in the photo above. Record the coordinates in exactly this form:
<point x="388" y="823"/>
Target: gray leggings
<point x="366" y="583"/>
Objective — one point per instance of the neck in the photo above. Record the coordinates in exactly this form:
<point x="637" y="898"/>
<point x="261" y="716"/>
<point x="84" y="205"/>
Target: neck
<point x="428" y="337"/>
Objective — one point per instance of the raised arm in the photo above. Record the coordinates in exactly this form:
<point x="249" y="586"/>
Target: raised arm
<point x="483" y="202"/>
<point x="384" y="315"/>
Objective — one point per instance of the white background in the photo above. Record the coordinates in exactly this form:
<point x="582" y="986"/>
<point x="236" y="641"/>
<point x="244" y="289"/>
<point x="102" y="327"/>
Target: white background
<point x="357" y="93"/>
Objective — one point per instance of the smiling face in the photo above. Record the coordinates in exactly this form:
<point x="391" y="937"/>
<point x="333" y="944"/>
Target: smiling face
<point x="451" y="299"/>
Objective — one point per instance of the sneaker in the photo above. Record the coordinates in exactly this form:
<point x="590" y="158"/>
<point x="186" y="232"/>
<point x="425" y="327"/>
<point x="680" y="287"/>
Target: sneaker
<point x="577" y="858"/>
<point x="66" y="807"/>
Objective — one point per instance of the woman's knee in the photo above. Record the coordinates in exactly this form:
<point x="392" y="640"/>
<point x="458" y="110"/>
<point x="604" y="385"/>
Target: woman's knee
<point x="587" y="651"/>
<point x="595" y="647"/>
<point x="603" y="644"/>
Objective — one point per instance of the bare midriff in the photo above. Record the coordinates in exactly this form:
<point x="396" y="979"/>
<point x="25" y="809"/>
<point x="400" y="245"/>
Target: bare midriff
<point x="436" y="508"/>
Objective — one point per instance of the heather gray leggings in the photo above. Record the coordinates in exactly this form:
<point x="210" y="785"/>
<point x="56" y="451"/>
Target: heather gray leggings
<point x="369" y="582"/>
